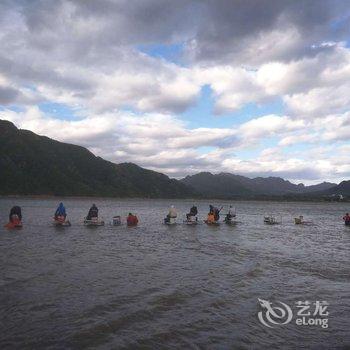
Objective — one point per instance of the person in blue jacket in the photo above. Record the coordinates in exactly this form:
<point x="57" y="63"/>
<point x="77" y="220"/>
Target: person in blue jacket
<point x="60" y="211"/>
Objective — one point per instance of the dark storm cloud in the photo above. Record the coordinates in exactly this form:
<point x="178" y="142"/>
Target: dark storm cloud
<point x="229" y="27"/>
<point x="8" y="95"/>
<point x="215" y="30"/>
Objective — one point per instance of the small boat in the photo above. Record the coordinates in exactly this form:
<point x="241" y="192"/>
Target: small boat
<point x="300" y="221"/>
<point x="191" y="220"/>
<point x="15" y="222"/>
<point x="169" y="221"/>
<point x="116" y="221"/>
<point x="61" y="221"/>
<point x="14" y="225"/>
<point x="93" y="222"/>
<point x="231" y="221"/>
<point x="230" y="218"/>
<point x="270" y="220"/>
<point x="61" y="224"/>
<point x="212" y="223"/>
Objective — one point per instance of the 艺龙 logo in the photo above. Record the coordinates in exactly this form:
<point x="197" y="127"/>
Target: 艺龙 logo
<point x="274" y="315"/>
<point x="306" y="315"/>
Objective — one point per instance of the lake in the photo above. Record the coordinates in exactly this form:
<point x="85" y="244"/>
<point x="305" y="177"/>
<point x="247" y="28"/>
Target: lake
<point x="173" y="287"/>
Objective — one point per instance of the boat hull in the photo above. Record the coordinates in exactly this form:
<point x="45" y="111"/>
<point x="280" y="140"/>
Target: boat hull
<point x="94" y="223"/>
<point x="61" y="224"/>
<point x="230" y="222"/>
<point x="215" y="223"/>
<point x="13" y="226"/>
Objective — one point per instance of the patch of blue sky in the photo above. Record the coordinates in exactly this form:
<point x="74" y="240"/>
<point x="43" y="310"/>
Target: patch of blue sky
<point x="59" y="110"/>
<point x="30" y="87"/>
<point x="254" y="110"/>
<point x="202" y="113"/>
<point x="170" y="52"/>
<point x="205" y="149"/>
<point x="341" y="22"/>
<point x="14" y="108"/>
<point x="298" y="149"/>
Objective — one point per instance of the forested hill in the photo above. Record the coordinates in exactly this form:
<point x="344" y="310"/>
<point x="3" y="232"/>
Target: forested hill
<point x="36" y="165"/>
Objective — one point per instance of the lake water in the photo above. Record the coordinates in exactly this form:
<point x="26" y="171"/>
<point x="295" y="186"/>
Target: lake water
<point x="172" y="287"/>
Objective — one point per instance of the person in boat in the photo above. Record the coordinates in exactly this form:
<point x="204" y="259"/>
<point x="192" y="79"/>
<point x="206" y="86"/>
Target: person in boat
<point x="211" y="218"/>
<point x="215" y="211"/>
<point x="216" y="214"/>
<point x="211" y="209"/>
<point x="171" y="215"/>
<point x="172" y="212"/>
<point x="346" y="219"/>
<point x="193" y="212"/>
<point x="93" y="212"/>
<point x="132" y="220"/>
<point x="15" y="214"/>
<point x="231" y="214"/>
<point x="60" y="213"/>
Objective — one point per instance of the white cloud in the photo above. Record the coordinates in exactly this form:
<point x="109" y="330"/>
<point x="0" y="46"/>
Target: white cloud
<point x="164" y="143"/>
<point x="87" y="56"/>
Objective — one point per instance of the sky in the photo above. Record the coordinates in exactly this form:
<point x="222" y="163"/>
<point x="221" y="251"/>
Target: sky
<point x="251" y="87"/>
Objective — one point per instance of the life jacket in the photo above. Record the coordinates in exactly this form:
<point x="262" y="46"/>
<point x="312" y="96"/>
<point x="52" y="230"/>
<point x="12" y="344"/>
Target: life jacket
<point x="132" y="220"/>
<point x="15" y="222"/>
<point x="211" y="218"/>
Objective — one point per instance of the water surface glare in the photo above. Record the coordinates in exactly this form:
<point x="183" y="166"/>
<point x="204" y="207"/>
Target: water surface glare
<point x="163" y="287"/>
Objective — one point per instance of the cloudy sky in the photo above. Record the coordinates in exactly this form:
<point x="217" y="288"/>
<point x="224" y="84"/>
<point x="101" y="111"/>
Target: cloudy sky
<point x="253" y="87"/>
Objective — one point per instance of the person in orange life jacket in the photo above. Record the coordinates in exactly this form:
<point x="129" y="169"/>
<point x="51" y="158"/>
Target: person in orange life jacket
<point x="210" y="218"/>
<point x="215" y="211"/>
<point x="132" y="220"/>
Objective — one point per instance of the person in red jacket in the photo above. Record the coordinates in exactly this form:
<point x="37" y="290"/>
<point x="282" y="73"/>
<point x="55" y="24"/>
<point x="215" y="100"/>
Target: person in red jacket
<point x="346" y="219"/>
<point x="132" y="220"/>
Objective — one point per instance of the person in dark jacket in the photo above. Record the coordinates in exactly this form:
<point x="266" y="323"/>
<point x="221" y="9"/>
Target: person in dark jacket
<point x="93" y="212"/>
<point x="211" y="209"/>
<point x="16" y="210"/>
<point x="193" y="212"/>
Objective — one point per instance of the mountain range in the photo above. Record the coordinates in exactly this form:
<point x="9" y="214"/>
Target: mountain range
<point x="226" y="185"/>
<point x="37" y="165"/>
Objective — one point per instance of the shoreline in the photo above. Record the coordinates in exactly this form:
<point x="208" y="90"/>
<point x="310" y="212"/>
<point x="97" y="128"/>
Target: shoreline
<point x="258" y="199"/>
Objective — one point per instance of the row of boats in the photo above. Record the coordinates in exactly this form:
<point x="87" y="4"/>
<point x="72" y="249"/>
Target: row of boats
<point x="213" y="218"/>
<point x="60" y="218"/>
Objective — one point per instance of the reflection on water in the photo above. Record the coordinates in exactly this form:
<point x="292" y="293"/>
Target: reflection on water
<point x="161" y="287"/>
